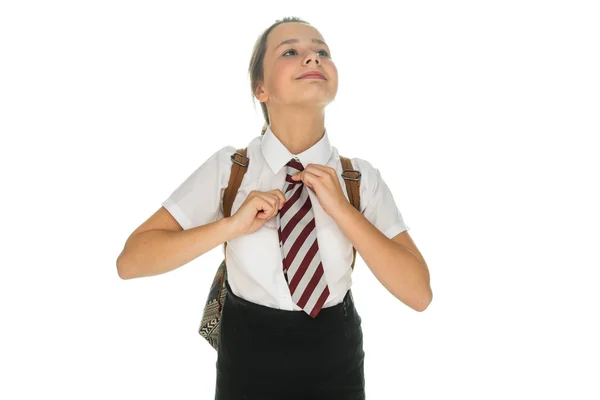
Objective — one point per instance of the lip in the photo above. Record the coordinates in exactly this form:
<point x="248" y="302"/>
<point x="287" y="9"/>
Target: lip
<point x="312" y="75"/>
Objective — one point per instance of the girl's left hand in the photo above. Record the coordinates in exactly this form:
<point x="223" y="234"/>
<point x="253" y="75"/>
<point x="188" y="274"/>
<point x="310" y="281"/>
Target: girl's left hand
<point x="325" y="183"/>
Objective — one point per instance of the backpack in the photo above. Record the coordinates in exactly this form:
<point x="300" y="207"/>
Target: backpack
<point x="209" y="325"/>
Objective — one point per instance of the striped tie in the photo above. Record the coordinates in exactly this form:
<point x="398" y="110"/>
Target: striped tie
<point x="302" y="265"/>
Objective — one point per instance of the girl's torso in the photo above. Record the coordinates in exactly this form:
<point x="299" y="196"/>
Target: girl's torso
<point x="254" y="261"/>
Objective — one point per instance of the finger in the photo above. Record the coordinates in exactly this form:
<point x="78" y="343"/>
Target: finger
<point x="299" y="176"/>
<point x="275" y="201"/>
<point x="320" y="170"/>
<point x="267" y="203"/>
<point x="309" y="179"/>
<point x="280" y="195"/>
<point x="263" y="212"/>
<point x="276" y="207"/>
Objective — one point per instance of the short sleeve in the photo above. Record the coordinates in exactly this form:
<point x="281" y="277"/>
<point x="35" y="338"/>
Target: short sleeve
<point x="198" y="200"/>
<point x="377" y="202"/>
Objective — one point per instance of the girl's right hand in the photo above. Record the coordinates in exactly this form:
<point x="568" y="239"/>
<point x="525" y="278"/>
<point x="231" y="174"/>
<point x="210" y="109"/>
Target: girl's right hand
<point x="256" y="210"/>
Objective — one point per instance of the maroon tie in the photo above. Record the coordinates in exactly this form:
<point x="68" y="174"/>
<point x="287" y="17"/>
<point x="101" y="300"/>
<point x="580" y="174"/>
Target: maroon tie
<point x="302" y="265"/>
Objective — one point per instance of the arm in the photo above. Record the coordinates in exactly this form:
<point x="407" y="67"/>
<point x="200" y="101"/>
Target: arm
<point x="161" y="245"/>
<point x="396" y="262"/>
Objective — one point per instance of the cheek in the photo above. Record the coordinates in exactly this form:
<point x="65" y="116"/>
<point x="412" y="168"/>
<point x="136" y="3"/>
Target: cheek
<point x="280" y="80"/>
<point x="279" y="74"/>
<point x="333" y="72"/>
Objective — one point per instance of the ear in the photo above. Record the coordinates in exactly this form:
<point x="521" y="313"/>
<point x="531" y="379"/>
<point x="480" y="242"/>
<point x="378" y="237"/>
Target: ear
<point x="260" y="94"/>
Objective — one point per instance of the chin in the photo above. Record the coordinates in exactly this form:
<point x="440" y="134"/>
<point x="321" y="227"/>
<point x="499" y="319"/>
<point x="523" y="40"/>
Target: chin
<point x="312" y="100"/>
<point x="316" y="95"/>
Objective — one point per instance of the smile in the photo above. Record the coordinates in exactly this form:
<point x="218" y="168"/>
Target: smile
<point x="313" y="76"/>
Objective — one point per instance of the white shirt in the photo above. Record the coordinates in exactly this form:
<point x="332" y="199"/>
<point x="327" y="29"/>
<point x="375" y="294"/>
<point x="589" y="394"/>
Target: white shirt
<point x="254" y="261"/>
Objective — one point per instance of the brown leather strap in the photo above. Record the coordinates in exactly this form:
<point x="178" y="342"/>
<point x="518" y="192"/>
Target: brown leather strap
<point x="353" y="189"/>
<point x="235" y="180"/>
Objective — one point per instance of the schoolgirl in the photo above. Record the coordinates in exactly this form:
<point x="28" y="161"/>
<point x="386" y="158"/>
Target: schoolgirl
<point x="289" y="328"/>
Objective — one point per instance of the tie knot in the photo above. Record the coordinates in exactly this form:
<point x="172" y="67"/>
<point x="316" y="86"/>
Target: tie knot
<point x="292" y="168"/>
<point x="294" y="164"/>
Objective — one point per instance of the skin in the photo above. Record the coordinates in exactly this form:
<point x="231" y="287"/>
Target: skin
<point x="297" y="106"/>
<point x="297" y="115"/>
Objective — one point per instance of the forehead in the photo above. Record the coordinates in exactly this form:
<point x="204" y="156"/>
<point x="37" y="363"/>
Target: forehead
<point x="291" y="30"/>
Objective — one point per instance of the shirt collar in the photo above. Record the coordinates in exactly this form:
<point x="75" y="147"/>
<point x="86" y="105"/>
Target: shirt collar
<point x="277" y="155"/>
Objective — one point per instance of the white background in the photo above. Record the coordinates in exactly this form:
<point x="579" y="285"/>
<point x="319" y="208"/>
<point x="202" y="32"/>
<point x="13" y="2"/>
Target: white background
<point x="481" y="116"/>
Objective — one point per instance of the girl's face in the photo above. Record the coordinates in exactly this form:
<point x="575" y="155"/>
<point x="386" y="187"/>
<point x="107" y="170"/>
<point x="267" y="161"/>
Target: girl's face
<point x="284" y="63"/>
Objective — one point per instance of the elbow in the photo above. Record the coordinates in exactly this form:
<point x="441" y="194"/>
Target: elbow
<point x="123" y="270"/>
<point x="425" y="294"/>
<point x="424" y="301"/>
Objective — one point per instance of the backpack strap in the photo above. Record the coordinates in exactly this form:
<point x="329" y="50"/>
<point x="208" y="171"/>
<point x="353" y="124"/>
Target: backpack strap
<point x="238" y="169"/>
<point x="352" y="179"/>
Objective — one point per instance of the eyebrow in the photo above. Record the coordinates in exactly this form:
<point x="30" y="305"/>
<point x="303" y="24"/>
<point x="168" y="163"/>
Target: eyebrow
<point x="290" y="41"/>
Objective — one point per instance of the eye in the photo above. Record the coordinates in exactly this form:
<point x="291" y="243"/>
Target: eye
<point x="326" y="54"/>
<point x="287" y="51"/>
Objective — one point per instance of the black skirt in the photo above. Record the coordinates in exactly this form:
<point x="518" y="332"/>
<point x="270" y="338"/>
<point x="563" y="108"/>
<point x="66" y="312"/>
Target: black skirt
<point x="267" y="353"/>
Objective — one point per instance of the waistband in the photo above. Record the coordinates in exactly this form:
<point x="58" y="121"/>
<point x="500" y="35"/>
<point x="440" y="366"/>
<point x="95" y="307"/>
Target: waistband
<point x="341" y="310"/>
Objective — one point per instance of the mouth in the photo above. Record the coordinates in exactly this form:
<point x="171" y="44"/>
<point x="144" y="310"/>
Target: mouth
<point x="312" y="75"/>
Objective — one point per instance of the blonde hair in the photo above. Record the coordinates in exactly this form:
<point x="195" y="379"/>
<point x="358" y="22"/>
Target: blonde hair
<point x="255" y="69"/>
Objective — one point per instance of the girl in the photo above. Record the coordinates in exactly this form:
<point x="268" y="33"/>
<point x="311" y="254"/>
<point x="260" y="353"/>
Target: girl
<point x="289" y="328"/>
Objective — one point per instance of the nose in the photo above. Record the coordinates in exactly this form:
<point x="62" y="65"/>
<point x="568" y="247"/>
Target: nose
<point x="312" y="56"/>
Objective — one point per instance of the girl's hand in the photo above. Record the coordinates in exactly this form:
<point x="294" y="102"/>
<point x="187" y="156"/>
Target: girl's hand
<point x="256" y="210"/>
<point x="326" y="184"/>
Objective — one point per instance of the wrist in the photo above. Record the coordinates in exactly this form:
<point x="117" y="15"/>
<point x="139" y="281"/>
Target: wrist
<point x="343" y="209"/>
<point x="231" y="227"/>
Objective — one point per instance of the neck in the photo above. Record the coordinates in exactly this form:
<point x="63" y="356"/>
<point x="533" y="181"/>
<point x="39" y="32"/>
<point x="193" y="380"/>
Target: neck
<point x="298" y="129"/>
